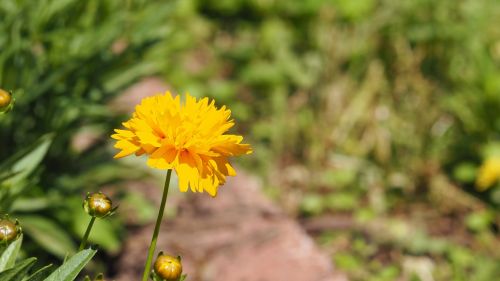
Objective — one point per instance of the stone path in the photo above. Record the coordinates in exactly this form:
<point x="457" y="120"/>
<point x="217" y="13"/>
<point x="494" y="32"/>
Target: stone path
<point x="238" y="236"/>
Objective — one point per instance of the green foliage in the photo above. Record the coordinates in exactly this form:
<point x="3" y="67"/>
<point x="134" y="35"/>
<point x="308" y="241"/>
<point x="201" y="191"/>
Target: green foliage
<point x="40" y="274"/>
<point x="9" y="255"/>
<point x="70" y="269"/>
<point x="20" y="271"/>
<point x="48" y="234"/>
<point x="64" y="60"/>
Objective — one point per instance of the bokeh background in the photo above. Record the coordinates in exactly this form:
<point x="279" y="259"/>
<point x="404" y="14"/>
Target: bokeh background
<point x="375" y="123"/>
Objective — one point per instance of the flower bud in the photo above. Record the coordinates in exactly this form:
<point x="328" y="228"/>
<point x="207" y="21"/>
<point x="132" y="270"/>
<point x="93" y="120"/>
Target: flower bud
<point x="9" y="230"/>
<point x="98" y="205"/>
<point x="99" y="277"/>
<point x="168" y="268"/>
<point x="5" y="100"/>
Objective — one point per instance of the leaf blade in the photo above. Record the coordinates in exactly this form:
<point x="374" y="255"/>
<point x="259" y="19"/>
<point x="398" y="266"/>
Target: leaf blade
<point x="18" y="272"/>
<point x="8" y="258"/>
<point x="48" y="234"/>
<point x="69" y="270"/>
<point x="40" y="274"/>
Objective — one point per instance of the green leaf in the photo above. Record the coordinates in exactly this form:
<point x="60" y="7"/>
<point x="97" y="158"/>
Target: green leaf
<point x="130" y="74"/>
<point x="8" y="258"/>
<point x="40" y="274"/>
<point x="465" y="172"/>
<point x="25" y="162"/>
<point x="48" y="234"/>
<point x="312" y="204"/>
<point x="480" y="220"/>
<point x="32" y="204"/>
<point x="491" y="150"/>
<point x="18" y="272"/>
<point x="70" y="269"/>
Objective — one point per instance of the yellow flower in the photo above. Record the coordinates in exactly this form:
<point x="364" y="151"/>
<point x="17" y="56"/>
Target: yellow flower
<point x="189" y="138"/>
<point x="489" y="173"/>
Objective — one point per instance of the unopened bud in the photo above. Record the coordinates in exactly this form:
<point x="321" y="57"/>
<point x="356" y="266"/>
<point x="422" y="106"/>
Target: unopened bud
<point x="168" y="268"/>
<point x="9" y="230"/>
<point x="5" y="100"/>
<point x="98" y="205"/>
<point x="99" y="277"/>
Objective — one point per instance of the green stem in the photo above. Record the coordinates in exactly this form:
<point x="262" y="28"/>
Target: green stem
<point x="87" y="233"/>
<point x="152" y="246"/>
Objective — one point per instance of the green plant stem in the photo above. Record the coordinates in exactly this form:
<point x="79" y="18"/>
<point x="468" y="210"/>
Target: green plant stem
<point x="152" y="246"/>
<point x="87" y="233"/>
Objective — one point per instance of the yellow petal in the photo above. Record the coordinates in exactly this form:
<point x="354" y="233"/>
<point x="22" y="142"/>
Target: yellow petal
<point x="188" y="137"/>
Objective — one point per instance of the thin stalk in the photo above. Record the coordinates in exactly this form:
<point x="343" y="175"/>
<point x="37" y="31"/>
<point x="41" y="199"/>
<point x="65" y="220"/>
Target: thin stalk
<point x="152" y="246"/>
<point x="87" y="233"/>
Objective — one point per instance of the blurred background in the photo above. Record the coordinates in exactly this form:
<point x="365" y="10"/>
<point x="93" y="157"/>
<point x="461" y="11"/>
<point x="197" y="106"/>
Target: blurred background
<point x="375" y="123"/>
